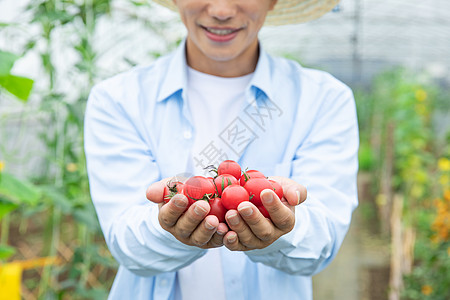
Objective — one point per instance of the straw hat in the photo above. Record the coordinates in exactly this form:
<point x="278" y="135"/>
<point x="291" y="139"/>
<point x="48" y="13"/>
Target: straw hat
<point x="287" y="11"/>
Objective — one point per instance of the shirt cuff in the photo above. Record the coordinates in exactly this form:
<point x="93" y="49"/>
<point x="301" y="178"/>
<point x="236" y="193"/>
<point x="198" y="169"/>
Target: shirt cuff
<point x="287" y="242"/>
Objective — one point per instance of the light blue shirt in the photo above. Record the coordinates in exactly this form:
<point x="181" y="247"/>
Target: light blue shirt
<point x="296" y="122"/>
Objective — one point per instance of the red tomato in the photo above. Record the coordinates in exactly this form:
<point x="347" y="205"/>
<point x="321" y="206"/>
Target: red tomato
<point x="229" y="167"/>
<point x="233" y="195"/>
<point x="264" y="211"/>
<point x="198" y="188"/>
<point x="171" y="189"/>
<point x="217" y="209"/>
<point x="254" y="188"/>
<point x="277" y="188"/>
<point x="250" y="174"/>
<point x="222" y="181"/>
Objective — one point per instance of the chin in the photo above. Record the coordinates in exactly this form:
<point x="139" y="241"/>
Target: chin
<point x="222" y="57"/>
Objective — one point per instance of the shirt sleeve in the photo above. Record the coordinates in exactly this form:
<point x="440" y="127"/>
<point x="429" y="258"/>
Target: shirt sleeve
<point x="326" y="163"/>
<point x="120" y="167"/>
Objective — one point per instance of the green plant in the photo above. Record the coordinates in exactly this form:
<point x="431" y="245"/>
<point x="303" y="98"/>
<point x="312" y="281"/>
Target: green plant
<point x="406" y="156"/>
<point x="16" y="85"/>
<point x="63" y="213"/>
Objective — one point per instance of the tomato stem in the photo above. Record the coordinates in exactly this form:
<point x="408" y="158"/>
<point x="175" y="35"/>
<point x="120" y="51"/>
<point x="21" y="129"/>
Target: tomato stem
<point x="212" y="168"/>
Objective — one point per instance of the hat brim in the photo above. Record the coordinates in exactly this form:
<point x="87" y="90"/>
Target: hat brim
<point x="286" y="11"/>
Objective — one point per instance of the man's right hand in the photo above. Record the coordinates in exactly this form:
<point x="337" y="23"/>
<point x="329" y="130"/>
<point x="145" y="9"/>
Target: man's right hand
<point x="191" y="226"/>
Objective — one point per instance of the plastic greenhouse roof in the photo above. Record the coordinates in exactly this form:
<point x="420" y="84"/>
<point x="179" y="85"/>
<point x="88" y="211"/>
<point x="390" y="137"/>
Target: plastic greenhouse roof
<point x="361" y="37"/>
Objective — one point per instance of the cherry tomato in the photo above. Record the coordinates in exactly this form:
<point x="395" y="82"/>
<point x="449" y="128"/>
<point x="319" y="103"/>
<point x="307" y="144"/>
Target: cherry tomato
<point x="250" y="174"/>
<point x="217" y="209"/>
<point x="264" y="211"/>
<point x="198" y="188"/>
<point x="233" y="195"/>
<point x="255" y="186"/>
<point x="277" y="188"/>
<point x="224" y="180"/>
<point x="171" y="189"/>
<point x="229" y="167"/>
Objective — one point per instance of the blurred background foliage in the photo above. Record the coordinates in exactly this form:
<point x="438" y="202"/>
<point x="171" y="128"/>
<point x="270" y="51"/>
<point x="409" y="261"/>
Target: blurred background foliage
<point x="45" y="207"/>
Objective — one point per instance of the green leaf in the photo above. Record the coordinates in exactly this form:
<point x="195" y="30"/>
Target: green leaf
<point x="17" y="85"/>
<point x="6" y="251"/>
<point x="18" y="191"/>
<point x="7" y="60"/>
<point x="6" y="207"/>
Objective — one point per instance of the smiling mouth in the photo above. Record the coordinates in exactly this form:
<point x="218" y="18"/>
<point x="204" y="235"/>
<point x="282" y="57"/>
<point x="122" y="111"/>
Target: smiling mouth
<point x="221" y="31"/>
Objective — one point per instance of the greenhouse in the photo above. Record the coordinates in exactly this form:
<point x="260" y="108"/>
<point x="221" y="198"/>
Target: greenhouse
<point x="394" y="55"/>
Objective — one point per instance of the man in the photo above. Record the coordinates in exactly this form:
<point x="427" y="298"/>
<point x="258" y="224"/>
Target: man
<point x="220" y="96"/>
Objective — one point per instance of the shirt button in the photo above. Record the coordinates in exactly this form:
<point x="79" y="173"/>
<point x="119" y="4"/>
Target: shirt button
<point x="163" y="282"/>
<point x="187" y="134"/>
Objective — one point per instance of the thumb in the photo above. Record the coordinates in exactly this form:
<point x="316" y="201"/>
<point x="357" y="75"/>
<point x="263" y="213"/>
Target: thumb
<point x="155" y="192"/>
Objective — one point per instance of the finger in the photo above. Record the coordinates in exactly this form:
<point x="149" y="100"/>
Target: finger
<point x="231" y="241"/>
<point x="155" y="192"/>
<point x="261" y="227"/>
<point x="294" y="192"/>
<point x="217" y="238"/>
<point x="281" y="215"/>
<point x="172" y="211"/>
<point x="284" y="181"/>
<point x="205" y="231"/>
<point x="191" y="218"/>
<point x="238" y="225"/>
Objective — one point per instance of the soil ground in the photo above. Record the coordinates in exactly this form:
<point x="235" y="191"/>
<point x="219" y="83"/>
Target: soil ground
<point x="360" y="270"/>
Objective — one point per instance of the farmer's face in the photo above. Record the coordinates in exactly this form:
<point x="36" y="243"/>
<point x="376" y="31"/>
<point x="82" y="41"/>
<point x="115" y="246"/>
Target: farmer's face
<point x="222" y="30"/>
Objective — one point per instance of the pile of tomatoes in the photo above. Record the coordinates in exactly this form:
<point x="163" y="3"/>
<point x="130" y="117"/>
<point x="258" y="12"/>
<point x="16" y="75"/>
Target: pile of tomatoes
<point x="226" y="190"/>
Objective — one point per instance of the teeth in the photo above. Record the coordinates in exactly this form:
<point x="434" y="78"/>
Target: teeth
<point x="220" y="31"/>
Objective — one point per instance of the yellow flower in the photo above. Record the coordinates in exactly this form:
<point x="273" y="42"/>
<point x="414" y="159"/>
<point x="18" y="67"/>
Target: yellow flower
<point x="448" y="251"/>
<point x="2" y="165"/>
<point x="381" y="200"/>
<point x="434" y="239"/>
<point x="447" y="195"/>
<point x="427" y="289"/>
<point x="421" y="95"/>
<point x="71" y="167"/>
<point x="444" y="180"/>
<point x="444" y="164"/>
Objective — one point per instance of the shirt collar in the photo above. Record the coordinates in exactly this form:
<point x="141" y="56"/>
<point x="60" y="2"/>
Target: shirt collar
<point x="261" y="79"/>
<point x="177" y="70"/>
<point x="176" y="76"/>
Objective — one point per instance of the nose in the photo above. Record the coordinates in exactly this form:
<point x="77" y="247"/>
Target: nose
<point x="222" y="10"/>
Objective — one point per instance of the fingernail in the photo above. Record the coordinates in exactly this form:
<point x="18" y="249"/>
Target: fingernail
<point x="209" y="226"/>
<point x="233" y="219"/>
<point x="179" y="202"/>
<point x="231" y="238"/>
<point x="267" y="197"/>
<point x="200" y="211"/>
<point x="298" y="197"/>
<point x="219" y="232"/>
<point x="246" y="211"/>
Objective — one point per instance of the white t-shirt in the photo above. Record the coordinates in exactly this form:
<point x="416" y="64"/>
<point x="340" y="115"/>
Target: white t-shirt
<point x="214" y="102"/>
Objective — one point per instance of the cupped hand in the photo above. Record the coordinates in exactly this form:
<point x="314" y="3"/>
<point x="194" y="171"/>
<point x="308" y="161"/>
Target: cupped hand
<point x="250" y="230"/>
<point x="191" y="226"/>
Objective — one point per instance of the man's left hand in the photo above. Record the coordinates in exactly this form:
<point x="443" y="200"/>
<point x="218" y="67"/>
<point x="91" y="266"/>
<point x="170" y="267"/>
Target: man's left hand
<point x="251" y="230"/>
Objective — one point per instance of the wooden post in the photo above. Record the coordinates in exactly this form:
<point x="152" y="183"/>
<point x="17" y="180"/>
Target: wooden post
<point x="385" y="199"/>
<point x="396" y="273"/>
